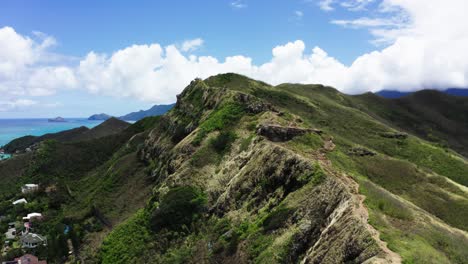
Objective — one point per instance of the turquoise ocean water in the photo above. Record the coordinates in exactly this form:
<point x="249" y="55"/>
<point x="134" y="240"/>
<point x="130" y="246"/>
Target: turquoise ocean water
<point x="14" y="128"/>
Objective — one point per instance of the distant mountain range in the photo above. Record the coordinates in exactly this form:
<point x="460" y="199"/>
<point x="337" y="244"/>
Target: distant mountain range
<point x="397" y="94"/>
<point x="135" y="116"/>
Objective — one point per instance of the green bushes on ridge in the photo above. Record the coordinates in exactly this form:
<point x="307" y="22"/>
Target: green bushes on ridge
<point x="127" y="242"/>
<point x="225" y="116"/>
<point x="178" y="209"/>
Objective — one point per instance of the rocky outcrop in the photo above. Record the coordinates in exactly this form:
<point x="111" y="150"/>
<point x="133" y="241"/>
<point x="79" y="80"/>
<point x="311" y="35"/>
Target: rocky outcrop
<point x="253" y="104"/>
<point x="277" y="133"/>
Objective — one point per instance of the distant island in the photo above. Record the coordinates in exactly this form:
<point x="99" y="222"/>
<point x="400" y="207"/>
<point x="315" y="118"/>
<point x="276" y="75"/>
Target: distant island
<point x="135" y="116"/>
<point x="57" y="119"/>
<point x="101" y="116"/>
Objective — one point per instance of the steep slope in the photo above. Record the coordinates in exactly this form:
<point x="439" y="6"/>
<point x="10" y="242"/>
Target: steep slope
<point x="274" y="173"/>
<point x="109" y="127"/>
<point x="240" y="171"/>
<point x="429" y="114"/>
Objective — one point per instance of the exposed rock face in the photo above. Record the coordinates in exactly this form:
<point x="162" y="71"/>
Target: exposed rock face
<point x="327" y="228"/>
<point x="277" y="133"/>
<point x="253" y="104"/>
<point x="319" y="214"/>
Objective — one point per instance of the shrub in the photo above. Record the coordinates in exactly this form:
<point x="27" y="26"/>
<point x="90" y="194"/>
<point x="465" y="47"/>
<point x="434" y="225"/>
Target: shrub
<point x="178" y="208"/>
<point x="277" y="218"/>
<point x="127" y="242"/>
<point x="225" y="116"/>
<point x="223" y="141"/>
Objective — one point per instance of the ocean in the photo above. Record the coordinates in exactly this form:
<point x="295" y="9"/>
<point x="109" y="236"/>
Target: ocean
<point x="15" y="128"/>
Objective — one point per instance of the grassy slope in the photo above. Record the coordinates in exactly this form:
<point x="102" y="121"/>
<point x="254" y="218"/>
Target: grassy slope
<point x="412" y="169"/>
<point x="107" y="182"/>
<point x="432" y="115"/>
<point x="97" y="182"/>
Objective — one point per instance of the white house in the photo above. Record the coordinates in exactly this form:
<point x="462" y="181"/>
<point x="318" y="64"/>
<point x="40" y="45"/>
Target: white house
<point x="32" y="240"/>
<point x="32" y="216"/>
<point x="11" y="234"/>
<point x="29" y="188"/>
<point x="20" y="201"/>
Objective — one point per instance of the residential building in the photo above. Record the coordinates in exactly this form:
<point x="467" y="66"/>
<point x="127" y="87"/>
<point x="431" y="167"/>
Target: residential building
<point x="32" y="240"/>
<point x="20" y="201"/>
<point x="26" y="259"/>
<point x="29" y="188"/>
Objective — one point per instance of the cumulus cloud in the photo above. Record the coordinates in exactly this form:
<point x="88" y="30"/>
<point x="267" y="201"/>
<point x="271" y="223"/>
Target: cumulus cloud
<point x="23" y="69"/>
<point x="425" y="49"/>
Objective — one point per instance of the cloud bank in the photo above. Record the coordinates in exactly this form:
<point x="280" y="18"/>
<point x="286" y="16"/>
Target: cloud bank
<point x="425" y="48"/>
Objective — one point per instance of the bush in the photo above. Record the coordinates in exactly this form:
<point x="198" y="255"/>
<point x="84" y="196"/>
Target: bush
<point x="223" y="141"/>
<point x="225" y="116"/>
<point x="277" y="218"/>
<point x="178" y="208"/>
<point x="127" y="242"/>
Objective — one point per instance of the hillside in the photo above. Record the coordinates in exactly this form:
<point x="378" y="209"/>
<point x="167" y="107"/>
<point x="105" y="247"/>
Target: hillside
<point x="240" y="171"/>
<point x="109" y="127"/>
<point x="429" y="114"/>
<point x="156" y="110"/>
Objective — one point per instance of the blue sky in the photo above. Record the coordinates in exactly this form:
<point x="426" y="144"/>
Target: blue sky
<point x="122" y="56"/>
<point x="106" y="26"/>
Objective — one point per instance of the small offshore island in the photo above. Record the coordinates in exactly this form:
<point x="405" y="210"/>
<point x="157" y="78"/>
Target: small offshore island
<point x="57" y="120"/>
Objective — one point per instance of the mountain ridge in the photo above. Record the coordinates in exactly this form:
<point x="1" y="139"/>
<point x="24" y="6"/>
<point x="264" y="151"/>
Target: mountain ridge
<point x="240" y="171"/>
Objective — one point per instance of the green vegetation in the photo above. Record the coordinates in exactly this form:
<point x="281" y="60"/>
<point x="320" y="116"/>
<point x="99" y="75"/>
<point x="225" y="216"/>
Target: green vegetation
<point x="223" y="141"/>
<point x="221" y="118"/>
<point x="127" y="242"/>
<point x="145" y="195"/>
<point x="178" y="209"/>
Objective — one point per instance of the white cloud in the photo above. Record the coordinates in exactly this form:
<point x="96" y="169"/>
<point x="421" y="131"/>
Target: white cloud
<point x="298" y="14"/>
<point x="238" y="4"/>
<point x="191" y="45"/>
<point x="326" y="5"/>
<point x="18" y="104"/>
<point x="425" y="48"/>
<point x="23" y="69"/>
<point x="350" y="5"/>
<point x="366" y="22"/>
<point x="356" y="5"/>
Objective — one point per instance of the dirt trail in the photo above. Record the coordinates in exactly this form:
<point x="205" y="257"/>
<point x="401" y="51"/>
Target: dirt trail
<point x="359" y="208"/>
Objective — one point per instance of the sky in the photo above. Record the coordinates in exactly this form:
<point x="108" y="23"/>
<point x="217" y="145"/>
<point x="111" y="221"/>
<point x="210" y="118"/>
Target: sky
<point x="77" y="58"/>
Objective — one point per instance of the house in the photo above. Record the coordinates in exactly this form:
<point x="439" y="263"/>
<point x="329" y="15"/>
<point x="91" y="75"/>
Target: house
<point x="20" y="201"/>
<point x="26" y="259"/>
<point x="10" y="234"/>
<point x="32" y="240"/>
<point x="32" y="216"/>
<point x="29" y="188"/>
